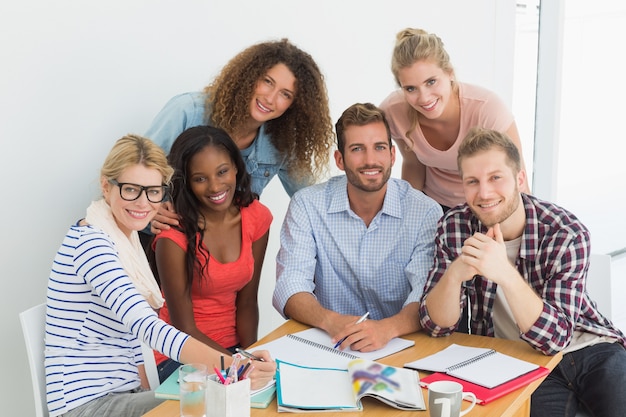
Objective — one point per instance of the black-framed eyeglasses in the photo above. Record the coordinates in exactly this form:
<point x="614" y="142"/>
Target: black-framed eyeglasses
<point x="131" y="192"/>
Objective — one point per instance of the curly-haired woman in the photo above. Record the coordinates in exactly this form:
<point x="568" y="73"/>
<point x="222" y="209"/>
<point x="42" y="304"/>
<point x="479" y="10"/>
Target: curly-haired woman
<point x="271" y="99"/>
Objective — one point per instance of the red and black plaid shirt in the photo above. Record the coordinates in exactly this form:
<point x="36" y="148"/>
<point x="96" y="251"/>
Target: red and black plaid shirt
<point x="554" y="260"/>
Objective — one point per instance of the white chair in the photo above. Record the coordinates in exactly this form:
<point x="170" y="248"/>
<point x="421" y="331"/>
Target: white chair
<point x="33" y="323"/>
<point x="150" y="365"/>
<point x="599" y="283"/>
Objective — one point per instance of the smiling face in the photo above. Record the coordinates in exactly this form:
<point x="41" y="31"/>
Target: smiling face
<point x="367" y="157"/>
<point x="136" y="214"/>
<point x="273" y="94"/>
<point x="492" y="189"/>
<point x="212" y="177"/>
<point x="427" y="88"/>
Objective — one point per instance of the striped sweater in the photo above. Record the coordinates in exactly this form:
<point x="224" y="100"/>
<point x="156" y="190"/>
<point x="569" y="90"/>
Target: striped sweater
<point x="95" y="319"/>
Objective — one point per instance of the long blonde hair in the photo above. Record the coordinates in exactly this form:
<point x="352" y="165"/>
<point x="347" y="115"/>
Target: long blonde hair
<point x="413" y="45"/>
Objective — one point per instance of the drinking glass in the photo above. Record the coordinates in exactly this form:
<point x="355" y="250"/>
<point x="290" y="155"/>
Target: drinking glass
<point x="192" y="381"/>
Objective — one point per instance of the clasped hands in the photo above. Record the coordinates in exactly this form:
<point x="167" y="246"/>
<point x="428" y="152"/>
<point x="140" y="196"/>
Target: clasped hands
<point x="483" y="254"/>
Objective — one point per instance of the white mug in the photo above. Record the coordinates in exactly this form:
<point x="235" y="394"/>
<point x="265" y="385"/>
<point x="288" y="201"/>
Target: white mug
<point x="445" y="398"/>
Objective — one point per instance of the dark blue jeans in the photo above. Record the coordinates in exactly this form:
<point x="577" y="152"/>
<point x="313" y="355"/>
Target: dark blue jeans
<point x="593" y="378"/>
<point x="166" y="368"/>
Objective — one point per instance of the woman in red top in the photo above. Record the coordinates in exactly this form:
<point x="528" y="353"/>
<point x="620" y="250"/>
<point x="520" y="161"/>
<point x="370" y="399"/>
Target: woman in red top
<point x="209" y="268"/>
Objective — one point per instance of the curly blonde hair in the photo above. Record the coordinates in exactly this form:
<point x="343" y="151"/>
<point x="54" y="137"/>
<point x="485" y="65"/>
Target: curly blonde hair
<point x="304" y="133"/>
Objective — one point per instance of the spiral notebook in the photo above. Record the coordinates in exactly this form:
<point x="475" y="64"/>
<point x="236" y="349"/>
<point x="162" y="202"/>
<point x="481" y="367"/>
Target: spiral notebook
<point x="485" y="367"/>
<point x="305" y="389"/>
<point x="314" y="348"/>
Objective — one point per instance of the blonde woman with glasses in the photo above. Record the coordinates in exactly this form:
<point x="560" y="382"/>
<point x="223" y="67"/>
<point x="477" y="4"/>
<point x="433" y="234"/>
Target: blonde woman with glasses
<point x="102" y="297"/>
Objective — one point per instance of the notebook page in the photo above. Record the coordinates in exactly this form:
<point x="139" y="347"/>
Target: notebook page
<point x="288" y="349"/>
<point x="446" y="358"/>
<point x="398" y="387"/>
<point x="314" y="388"/>
<point x="493" y="370"/>
<point x="321" y="337"/>
<point x="302" y="348"/>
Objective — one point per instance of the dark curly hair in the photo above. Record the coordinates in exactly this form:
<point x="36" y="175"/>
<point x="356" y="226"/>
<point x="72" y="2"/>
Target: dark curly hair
<point x="304" y="133"/>
<point x="184" y="148"/>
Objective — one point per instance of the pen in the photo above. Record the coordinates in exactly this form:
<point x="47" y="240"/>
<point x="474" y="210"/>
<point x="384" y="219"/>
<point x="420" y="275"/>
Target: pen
<point x="232" y="371"/>
<point x="219" y="375"/>
<point x="242" y="373"/>
<point x="245" y="376"/>
<point x="359" y="321"/>
<point x="249" y="355"/>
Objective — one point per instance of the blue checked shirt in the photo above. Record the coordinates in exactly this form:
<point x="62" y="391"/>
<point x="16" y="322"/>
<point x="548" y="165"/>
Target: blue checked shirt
<point x="553" y="259"/>
<point x="327" y="250"/>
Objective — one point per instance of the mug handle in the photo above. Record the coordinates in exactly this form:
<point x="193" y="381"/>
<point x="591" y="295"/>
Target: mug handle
<point x="471" y="395"/>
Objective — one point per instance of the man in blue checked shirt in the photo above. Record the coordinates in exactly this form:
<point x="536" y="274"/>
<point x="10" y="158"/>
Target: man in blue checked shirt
<point x="523" y="263"/>
<point x="359" y="243"/>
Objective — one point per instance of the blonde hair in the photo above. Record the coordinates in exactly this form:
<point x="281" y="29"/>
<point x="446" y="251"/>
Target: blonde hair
<point x="479" y="139"/>
<point x="133" y="150"/>
<point x="413" y="45"/>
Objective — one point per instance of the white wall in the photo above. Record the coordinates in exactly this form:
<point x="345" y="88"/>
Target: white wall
<point x="77" y="75"/>
<point x="590" y="168"/>
<point x="579" y="141"/>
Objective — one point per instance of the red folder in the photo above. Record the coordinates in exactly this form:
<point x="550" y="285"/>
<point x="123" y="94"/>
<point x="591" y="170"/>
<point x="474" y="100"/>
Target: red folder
<point x="486" y="395"/>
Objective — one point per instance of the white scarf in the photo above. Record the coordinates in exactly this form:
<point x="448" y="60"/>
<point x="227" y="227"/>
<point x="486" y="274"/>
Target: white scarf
<point x="130" y="252"/>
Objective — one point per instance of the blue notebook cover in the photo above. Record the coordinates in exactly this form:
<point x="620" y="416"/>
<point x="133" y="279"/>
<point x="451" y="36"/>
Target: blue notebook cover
<point x="168" y="390"/>
<point x="262" y="399"/>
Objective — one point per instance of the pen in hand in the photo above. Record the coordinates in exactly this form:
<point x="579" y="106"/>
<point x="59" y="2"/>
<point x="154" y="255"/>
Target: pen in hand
<point x="249" y="355"/>
<point x="359" y="321"/>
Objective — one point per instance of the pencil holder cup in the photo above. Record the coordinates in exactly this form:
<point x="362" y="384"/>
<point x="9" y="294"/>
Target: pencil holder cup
<point x="232" y="400"/>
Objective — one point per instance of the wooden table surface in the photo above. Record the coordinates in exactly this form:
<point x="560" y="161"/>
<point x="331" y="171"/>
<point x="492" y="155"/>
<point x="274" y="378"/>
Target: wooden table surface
<point x="515" y="404"/>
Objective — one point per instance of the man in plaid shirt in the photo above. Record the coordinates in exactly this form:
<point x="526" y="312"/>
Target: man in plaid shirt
<point x="522" y="263"/>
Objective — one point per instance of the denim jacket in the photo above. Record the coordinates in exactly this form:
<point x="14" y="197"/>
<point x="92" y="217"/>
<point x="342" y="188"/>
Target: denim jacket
<point x="263" y="161"/>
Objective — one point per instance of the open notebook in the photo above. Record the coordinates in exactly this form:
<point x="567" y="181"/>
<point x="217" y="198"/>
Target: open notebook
<point x="481" y="366"/>
<point x="313" y="347"/>
<point x="309" y="389"/>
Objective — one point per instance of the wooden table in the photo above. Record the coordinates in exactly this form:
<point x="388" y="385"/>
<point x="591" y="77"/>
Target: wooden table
<point x="515" y="404"/>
